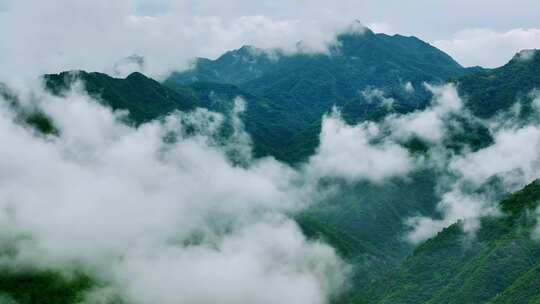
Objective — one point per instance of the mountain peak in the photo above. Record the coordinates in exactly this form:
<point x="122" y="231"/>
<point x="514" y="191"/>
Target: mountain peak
<point x="136" y="76"/>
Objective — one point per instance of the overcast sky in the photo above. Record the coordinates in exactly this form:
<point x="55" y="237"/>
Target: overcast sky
<point x="41" y="36"/>
<point x="431" y="19"/>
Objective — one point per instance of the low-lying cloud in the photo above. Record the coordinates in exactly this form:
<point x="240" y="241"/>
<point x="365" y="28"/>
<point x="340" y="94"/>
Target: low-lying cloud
<point x="96" y="35"/>
<point x="428" y="124"/>
<point x="514" y="155"/>
<point x="349" y="152"/>
<point x="455" y="206"/>
<point x="159" y="212"/>
<point x="376" y="152"/>
<point x="169" y="206"/>
<point x="162" y="211"/>
<point x="513" y="158"/>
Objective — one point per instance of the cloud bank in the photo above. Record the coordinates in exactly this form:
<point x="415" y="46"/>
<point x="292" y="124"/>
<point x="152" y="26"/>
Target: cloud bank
<point x="377" y="151"/>
<point x="349" y="152"/>
<point x="428" y="124"/>
<point x="159" y="212"/>
<point x="97" y="35"/>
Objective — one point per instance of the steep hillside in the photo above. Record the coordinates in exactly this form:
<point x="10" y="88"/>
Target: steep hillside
<point x="144" y="98"/>
<point x="357" y="59"/>
<point x="365" y="221"/>
<point x="489" y="92"/>
<point x="497" y="265"/>
<point x="286" y="95"/>
<point x="147" y="99"/>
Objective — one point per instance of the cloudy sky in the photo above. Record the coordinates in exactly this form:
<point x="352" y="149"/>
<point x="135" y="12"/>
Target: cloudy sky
<point x="40" y="37"/>
<point x="94" y="35"/>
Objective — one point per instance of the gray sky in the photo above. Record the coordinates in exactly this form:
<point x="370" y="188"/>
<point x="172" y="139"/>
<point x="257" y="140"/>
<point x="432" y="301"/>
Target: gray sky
<point x="93" y="35"/>
<point x="432" y="19"/>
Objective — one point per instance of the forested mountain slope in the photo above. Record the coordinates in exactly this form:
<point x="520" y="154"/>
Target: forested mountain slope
<point x="492" y="91"/>
<point x="300" y="88"/>
<point x="499" y="264"/>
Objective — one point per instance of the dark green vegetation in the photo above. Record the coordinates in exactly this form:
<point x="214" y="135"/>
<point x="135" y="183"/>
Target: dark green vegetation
<point x="500" y="264"/>
<point x="298" y="89"/>
<point x="145" y="98"/>
<point x="364" y="221"/>
<point x="356" y="60"/>
<point x="286" y="96"/>
<point x="490" y="92"/>
<point x="25" y="286"/>
<point x="32" y="286"/>
<point x="27" y="116"/>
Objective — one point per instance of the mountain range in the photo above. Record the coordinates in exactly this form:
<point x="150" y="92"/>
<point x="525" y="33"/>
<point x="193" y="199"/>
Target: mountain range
<point x="286" y="96"/>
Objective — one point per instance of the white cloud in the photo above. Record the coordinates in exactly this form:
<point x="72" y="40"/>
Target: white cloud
<point x="489" y="48"/>
<point x="514" y="158"/>
<point x="454" y="206"/>
<point x="515" y="155"/>
<point x="372" y="94"/>
<point x="157" y="212"/>
<point x="428" y="124"/>
<point x="408" y="87"/>
<point x="381" y="27"/>
<point x="128" y="65"/>
<point x="265" y="263"/>
<point x="348" y="152"/>
<point x="373" y="151"/>
<point x="377" y="95"/>
<point x="126" y="204"/>
<point x="94" y="35"/>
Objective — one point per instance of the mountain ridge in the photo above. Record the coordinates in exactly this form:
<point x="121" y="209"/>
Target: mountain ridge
<point x="364" y="222"/>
